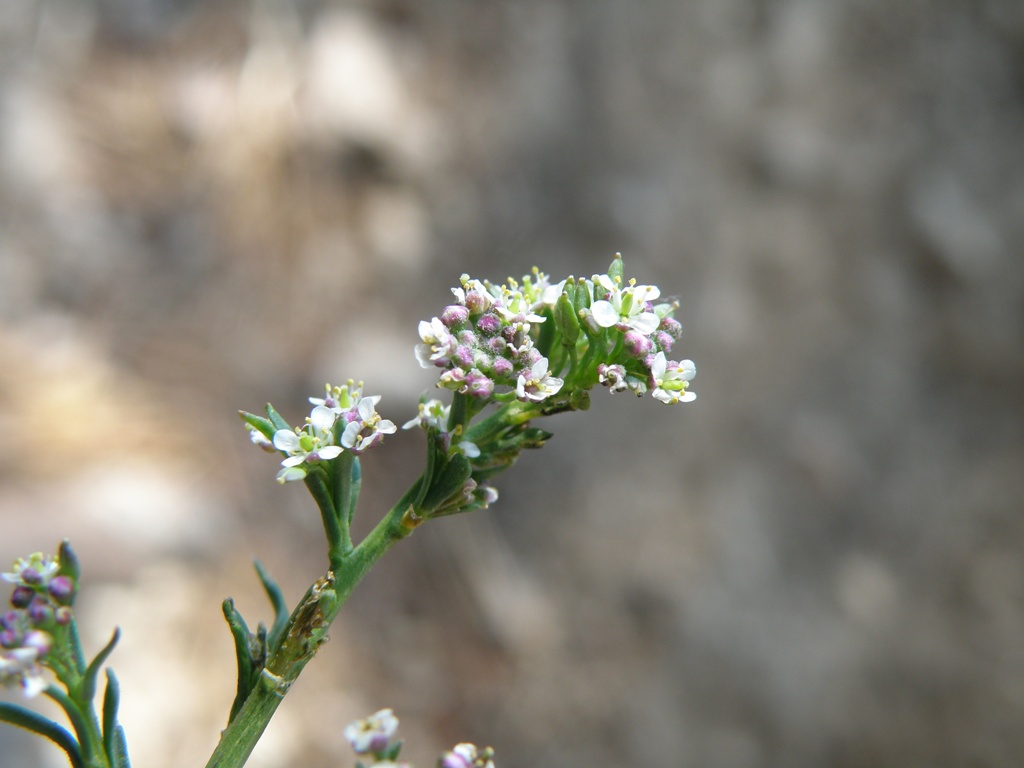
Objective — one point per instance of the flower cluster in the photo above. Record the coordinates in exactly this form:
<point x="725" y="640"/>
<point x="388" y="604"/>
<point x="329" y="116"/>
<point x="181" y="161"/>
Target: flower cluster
<point x="40" y="603"/>
<point x="486" y="339"/>
<point x="540" y="341"/>
<point x="342" y="420"/>
<point x="374" y="737"/>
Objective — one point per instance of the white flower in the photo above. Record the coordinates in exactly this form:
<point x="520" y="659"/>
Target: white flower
<point x="18" y="665"/>
<point x="437" y="346"/>
<point x="538" y="385"/>
<point x="37" y="568"/>
<point x="373" y="733"/>
<point x="514" y="307"/>
<point x="467" y="755"/>
<point x="311" y="443"/>
<point x="366" y="428"/>
<point x="260" y="440"/>
<point x="340" y="399"/>
<point x="470" y="449"/>
<point x="432" y="413"/>
<point x="671" y="379"/>
<point x="626" y="306"/>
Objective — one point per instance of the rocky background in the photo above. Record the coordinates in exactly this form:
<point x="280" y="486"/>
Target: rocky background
<point x="208" y="205"/>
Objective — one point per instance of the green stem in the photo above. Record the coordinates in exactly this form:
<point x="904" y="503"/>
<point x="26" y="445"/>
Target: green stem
<point x="305" y="632"/>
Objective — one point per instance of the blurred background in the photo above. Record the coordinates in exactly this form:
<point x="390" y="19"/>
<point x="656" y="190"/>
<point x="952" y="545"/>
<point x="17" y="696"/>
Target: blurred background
<point x="208" y="205"/>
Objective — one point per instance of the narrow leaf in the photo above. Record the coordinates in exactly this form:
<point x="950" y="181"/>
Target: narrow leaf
<point x="120" y="757"/>
<point x="276" y="601"/>
<point x="243" y="654"/>
<point x="111" y="701"/>
<point x="264" y="426"/>
<point x="41" y="726"/>
<point x="88" y="689"/>
<point x="74" y="715"/>
<point x="275" y="419"/>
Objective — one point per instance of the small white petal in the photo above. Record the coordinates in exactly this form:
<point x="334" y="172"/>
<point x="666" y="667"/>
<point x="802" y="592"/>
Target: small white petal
<point x="604" y="313"/>
<point x="286" y="440"/>
<point x="647" y="323"/>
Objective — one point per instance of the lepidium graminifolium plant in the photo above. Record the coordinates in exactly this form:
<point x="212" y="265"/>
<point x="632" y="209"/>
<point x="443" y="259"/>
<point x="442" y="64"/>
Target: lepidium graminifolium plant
<point x="509" y="355"/>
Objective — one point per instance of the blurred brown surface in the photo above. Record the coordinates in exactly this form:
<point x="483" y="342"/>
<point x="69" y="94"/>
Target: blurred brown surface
<point x="206" y="206"/>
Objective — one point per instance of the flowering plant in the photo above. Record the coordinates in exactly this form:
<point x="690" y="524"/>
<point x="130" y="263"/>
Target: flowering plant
<point x="509" y="354"/>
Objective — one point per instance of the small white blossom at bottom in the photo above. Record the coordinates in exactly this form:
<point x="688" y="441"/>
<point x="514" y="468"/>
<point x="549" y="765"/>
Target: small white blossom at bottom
<point x="372" y="734"/>
<point x="538" y="385"/>
<point x="18" y="666"/>
<point x="671" y="379"/>
<point x="467" y="756"/>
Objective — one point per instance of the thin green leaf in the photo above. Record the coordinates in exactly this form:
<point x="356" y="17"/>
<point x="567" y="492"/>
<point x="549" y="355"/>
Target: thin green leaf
<point x="111" y="701"/>
<point x="74" y="715"/>
<point x="41" y="726"/>
<point x="277" y="601"/>
<point x="88" y="685"/>
<point x="275" y="418"/>
<point x="264" y="426"/>
<point x="120" y="757"/>
<point x="243" y="654"/>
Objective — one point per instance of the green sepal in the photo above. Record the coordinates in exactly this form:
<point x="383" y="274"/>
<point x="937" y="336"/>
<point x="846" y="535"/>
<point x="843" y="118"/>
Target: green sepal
<point x="566" y="320"/>
<point x="276" y="597"/>
<point x="546" y="336"/>
<point x="111" y="702"/>
<point x="42" y="726"/>
<point x="581" y="299"/>
<point x="448" y="483"/>
<point x="391" y="753"/>
<point x="264" y="426"/>
<point x="615" y="270"/>
<point x="88" y="685"/>
<point x="276" y="420"/>
<point x="69" y="565"/>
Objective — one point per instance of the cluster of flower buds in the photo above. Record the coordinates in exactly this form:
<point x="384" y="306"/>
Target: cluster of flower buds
<point x="342" y="420"/>
<point x="40" y="604"/>
<point x="538" y="340"/>
<point x="374" y="738"/>
<point x="486" y="340"/>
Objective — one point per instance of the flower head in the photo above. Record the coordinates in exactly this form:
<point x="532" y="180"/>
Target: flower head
<point x="628" y="307"/>
<point x="467" y="755"/>
<point x="307" y="445"/>
<point x="372" y="734"/>
<point x="35" y="570"/>
<point x="537" y="385"/>
<point x="437" y="346"/>
<point x="18" y="666"/>
<point x="671" y="378"/>
<point x="365" y="427"/>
